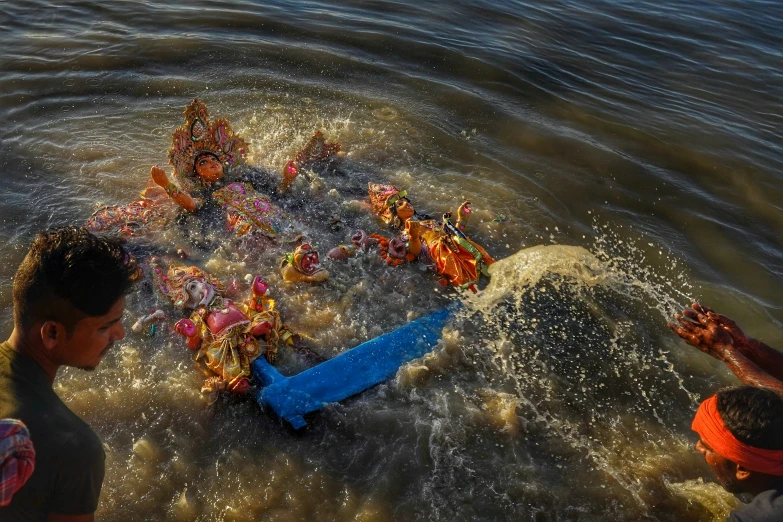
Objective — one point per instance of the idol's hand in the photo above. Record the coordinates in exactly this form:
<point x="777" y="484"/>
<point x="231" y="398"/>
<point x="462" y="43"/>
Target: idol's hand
<point x="259" y="286"/>
<point x="180" y="197"/>
<point x="463" y="213"/>
<point x="704" y="331"/>
<point x="262" y="329"/>
<point x="185" y="327"/>
<point x="159" y="176"/>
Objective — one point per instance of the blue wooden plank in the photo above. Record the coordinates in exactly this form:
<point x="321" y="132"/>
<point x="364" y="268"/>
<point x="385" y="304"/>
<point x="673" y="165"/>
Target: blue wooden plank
<point x="349" y="373"/>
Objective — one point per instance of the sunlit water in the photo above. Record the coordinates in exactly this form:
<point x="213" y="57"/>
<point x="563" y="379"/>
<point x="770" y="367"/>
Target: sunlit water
<point x="622" y="158"/>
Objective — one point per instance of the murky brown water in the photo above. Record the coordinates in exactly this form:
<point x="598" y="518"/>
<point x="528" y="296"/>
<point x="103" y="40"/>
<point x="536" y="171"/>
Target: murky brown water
<point x="638" y="143"/>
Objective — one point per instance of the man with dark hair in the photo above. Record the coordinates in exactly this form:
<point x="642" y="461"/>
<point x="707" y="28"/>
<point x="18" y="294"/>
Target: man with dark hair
<point x="752" y="361"/>
<point x="69" y="297"/>
<point x="741" y="437"/>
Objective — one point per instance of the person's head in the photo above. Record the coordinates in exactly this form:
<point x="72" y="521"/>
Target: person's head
<point x="741" y="437"/>
<point x="208" y="167"/>
<point x="70" y="291"/>
<point x="390" y="204"/>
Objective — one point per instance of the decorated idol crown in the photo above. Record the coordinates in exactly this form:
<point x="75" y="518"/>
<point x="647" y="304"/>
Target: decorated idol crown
<point x="172" y="283"/>
<point x="200" y="136"/>
<point x="383" y="197"/>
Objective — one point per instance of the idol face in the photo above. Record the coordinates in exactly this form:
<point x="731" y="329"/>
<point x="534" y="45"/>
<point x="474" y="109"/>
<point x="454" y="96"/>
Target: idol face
<point x="404" y="209"/>
<point x="200" y="293"/>
<point x="208" y="168"/>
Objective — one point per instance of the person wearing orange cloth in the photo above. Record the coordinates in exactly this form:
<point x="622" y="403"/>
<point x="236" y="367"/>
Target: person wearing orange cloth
<point x="752" y="361"/>
<point x="741" y="437"/>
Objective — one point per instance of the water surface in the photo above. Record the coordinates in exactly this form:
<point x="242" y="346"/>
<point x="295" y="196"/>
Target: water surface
<point x="634" y="146"/>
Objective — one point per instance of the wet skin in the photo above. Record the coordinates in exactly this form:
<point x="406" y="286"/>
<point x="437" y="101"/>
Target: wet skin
<point x="724" y="469"/>
<point x="92" y="338"/>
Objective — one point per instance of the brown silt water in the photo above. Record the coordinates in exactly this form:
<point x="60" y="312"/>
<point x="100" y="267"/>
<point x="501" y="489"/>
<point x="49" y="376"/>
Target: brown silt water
<point x="622" y="159"/>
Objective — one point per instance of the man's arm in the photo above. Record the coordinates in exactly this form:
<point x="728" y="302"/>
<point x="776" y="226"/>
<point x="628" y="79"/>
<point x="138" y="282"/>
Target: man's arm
<point x="765" y="356"/>
<point x="762" y="355"/>
<point x="715" y="335"/>
<point x="749" y="372"/>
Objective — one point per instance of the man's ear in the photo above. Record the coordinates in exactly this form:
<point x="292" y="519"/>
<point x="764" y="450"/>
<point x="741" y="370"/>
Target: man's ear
<point x="742" y="473"/>
<point x="51" y="334"/>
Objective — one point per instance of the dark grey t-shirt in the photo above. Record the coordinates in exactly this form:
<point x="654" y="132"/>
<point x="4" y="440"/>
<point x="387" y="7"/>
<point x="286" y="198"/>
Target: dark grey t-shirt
<point x="69" y="456"/>
<point x="765" y="507"/>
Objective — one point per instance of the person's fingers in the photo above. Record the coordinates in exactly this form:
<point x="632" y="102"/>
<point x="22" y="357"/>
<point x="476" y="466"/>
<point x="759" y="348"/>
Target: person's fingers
<point x="723" y="320"/>
<point x="701" y="308"/>
<point x="689" y="326"/>
<point x="704" y="319"/>
<point x="689" y="337"/>
<point x="689" y="322"/>
<point x="692" y="314"/>
<point x="676" y="329"/>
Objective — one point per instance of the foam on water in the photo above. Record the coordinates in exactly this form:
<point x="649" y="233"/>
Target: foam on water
<point x="558" y="394"/>
<point x="550" y="396"/>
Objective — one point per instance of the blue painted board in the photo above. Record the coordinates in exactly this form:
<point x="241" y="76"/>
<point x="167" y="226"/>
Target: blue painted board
<point x="349" y="373"/>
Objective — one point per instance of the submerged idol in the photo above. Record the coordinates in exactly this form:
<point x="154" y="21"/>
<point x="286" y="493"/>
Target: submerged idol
<point x="202" y="152"/>
<point x="227" y="335"/>
<point x="443" y="246"/>
<point x="207" y="157"/>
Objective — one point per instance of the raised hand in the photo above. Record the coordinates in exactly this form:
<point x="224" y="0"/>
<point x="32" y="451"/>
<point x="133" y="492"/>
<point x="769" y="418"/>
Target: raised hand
<point x="463" y="212"/>
<point x="181" y="198"/>
<point x="159" y="176"/>
<point x="753" y="362"/>
<point x="704" y="331"/>
<point x="187" y="328"/>
<point x="739" y="338"/>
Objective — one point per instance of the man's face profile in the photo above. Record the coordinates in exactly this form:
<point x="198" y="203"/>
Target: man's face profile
<point x="93" y="337"/>
<point x="724" y="469"/>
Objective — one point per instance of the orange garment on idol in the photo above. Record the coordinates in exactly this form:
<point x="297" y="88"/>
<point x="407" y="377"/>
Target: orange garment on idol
<point x="455" y="263"/>
<point x="453" y="260"/>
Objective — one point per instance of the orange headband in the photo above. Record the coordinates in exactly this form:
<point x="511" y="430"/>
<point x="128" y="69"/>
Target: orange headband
<point x="709" y="424"/>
